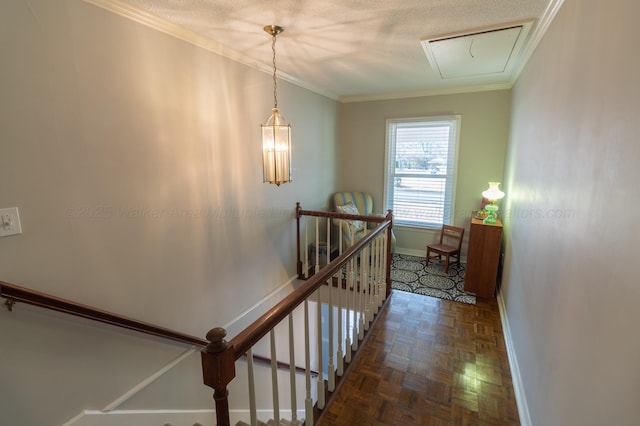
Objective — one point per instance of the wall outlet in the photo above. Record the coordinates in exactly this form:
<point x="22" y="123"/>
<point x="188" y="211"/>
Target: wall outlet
<point x="10" y="222"/>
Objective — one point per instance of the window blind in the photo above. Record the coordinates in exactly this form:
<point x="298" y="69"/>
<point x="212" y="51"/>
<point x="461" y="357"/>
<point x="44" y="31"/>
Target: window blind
<point x="421" y="169"/>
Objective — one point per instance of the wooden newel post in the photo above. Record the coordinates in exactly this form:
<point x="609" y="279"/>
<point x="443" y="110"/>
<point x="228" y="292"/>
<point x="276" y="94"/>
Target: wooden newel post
<point x="389" y="251"/>
<point x="218" y="369"/>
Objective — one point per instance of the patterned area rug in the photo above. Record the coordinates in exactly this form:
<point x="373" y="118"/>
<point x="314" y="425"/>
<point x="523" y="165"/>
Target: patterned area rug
<point x="409" y="273"/>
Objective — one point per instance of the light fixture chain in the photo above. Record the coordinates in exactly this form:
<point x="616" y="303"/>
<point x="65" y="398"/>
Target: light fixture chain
<point x="275" y="82"/>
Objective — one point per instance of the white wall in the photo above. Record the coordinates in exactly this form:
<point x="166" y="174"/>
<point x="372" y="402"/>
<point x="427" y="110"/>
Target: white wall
<point x="134" y="158"/>
<point x="570" y="283"/>
<point x="481" y="155"/>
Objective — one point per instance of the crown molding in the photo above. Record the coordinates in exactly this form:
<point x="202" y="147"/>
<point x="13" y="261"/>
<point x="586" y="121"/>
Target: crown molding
<point x="159" y="24"/>
<point x="547" y="17"/>
<point x="429" y="92"/>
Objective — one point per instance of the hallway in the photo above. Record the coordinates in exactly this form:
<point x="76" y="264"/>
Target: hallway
<point x="429" y="361"/>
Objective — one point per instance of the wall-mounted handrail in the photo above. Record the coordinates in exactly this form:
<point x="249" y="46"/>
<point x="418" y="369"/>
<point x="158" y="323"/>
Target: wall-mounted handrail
<point x="14" y="293"/>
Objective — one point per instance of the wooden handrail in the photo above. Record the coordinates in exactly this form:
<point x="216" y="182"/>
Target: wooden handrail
<point x="335" y="215"/>
<point x="251" y="335"/>
<point x="14" y="293"/>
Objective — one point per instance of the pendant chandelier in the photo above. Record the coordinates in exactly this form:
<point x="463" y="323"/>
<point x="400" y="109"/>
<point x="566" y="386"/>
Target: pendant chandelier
<point x="276" y="133"/>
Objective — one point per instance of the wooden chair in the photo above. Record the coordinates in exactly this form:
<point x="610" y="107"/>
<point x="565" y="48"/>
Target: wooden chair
<point x="449" y="246"/>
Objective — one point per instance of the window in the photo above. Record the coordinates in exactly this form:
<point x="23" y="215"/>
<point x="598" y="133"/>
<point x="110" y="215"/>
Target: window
<point x="421" y="170"/>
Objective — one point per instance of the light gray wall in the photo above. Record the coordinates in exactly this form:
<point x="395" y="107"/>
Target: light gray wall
<point x="481" y="155"/>
<point x="570" y="284"/>
<point x="134" y="158"/>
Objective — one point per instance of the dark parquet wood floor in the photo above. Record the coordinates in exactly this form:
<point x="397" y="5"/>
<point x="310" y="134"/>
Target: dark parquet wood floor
<point x="428" y="361"/>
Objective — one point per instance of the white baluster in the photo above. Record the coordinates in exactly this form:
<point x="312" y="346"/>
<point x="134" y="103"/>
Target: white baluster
<point x="306" y="247"/>
<point x="370" y="272"/>
<point x="252" y="389"/>
<point x="349" y="290"/>
<point x="383" y="254"/>
<point x="385" y="248"/>
<point x="292" y="374"/>
<point x="376" y="276"/>
<point x="317" y="245"/>
<point x="308" y="402"/>
<point x="330" y="366"/>
<point x="364" y="282"/>
<point x="383" y="262"/>
<point x="372" y="289"/>
<point x="356" y="304"/>
<point x="328" y="240"/>
<point x="340" y="237"/>
<point x="274" y="378"/>
<point x="363" y="287"/>
<point x="340" y="354"/>
<point x="321" y="398"/>
<point x="366" y="268"/>
<point x="372" y="283"/>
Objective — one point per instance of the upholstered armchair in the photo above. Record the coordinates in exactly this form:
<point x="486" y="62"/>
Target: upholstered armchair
<point x="359" y="203"/>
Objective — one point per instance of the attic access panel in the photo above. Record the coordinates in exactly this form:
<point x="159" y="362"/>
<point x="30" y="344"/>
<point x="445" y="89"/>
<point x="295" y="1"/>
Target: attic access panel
<point x="479" y="53"/>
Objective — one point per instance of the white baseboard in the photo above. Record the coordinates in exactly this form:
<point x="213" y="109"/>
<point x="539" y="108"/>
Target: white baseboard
<point x="262" y="415"/>
<point x="168" y="417"/>
<point x="516" y="378"/>
<point x="409" y="252"/>
<point x="144" y="418"/>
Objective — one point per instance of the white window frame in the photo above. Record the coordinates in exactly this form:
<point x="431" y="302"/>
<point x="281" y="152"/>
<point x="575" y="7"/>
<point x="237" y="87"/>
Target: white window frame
<point x="454" y="122"/>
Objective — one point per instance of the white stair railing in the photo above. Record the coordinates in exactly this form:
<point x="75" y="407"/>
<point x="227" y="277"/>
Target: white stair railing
<point x="347" y="293"/>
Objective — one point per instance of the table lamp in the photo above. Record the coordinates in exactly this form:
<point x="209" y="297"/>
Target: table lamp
<point x="492" y="194"/>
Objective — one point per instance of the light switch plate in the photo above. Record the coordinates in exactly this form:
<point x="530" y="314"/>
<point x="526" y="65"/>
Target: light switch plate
<point x="10" y="222"/>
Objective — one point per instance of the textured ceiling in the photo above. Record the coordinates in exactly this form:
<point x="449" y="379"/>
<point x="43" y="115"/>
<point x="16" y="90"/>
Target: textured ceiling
<point x="348" y="49"/>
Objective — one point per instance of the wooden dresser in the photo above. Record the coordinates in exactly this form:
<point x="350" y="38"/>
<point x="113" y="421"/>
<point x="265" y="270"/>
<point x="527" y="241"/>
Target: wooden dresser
<point x="483" y="258"/>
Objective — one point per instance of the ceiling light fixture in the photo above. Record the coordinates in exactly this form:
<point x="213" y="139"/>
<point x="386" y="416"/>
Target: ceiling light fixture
<point x="276" y="133"/>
